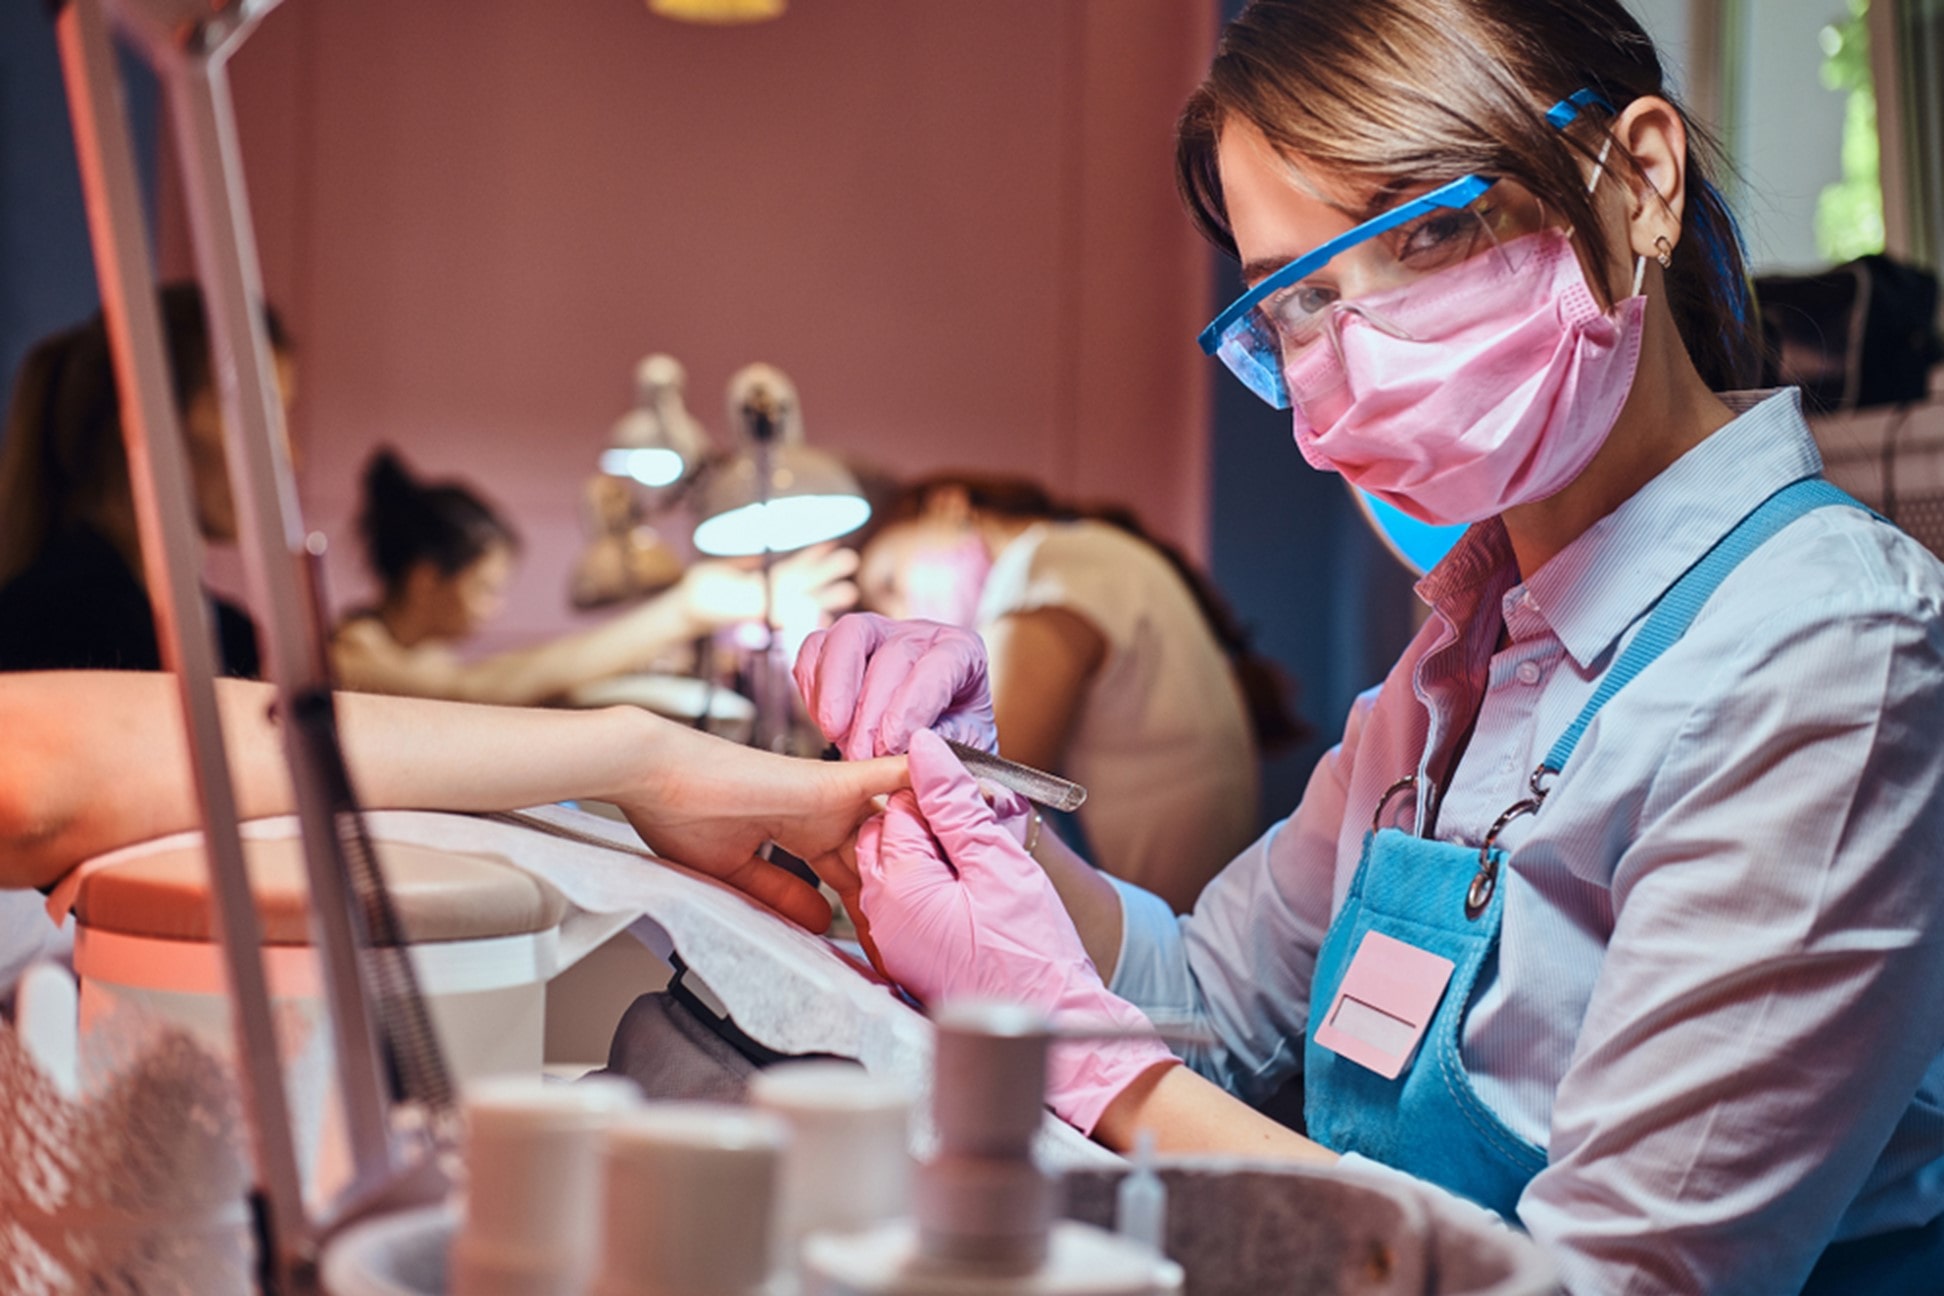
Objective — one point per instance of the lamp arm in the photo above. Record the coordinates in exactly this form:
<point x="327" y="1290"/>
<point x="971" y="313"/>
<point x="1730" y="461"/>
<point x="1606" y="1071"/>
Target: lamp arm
<point x="170" y="547"/>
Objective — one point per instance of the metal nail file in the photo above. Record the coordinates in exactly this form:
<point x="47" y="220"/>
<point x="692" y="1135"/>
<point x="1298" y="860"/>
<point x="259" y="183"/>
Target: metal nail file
<point x="1042" y="789"/>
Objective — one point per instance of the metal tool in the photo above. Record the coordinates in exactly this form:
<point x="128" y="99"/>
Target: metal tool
<point x="1048" y="791"/>
<point x="393" y="1092"/>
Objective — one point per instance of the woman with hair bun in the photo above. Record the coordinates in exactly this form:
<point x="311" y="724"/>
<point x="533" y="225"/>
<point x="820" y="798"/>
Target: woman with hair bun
<point x="443" y="556"/>
<point x="1619" y="908"/>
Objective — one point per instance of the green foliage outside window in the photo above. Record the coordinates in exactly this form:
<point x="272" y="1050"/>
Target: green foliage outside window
<point x="1849" y="213"/>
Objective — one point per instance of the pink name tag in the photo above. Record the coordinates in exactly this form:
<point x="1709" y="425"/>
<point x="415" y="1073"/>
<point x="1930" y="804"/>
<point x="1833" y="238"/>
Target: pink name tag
<point x="1384" y="1005"/>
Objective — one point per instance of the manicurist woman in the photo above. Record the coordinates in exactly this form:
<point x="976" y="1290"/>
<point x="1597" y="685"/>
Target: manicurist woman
<point x="1619" y="909"/>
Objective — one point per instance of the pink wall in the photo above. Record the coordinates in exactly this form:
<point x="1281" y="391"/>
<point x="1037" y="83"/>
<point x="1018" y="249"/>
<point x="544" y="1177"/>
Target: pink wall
<point x="953" y="224"/>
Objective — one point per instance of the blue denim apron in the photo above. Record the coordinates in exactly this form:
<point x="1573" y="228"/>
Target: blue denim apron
<point x="1445" y="898"/>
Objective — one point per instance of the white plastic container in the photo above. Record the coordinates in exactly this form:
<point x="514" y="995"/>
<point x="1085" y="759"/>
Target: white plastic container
<point x="486" y="938"/>
<point x="984" y="1209"/>
<point x="690" y="1194"/>
<point x="533" y="1184"/>
<point x="890" y="1261"/>
<point x="848" y="1164"/>
<point x="1239" y="1228"/>
<point x="392" y="1255"/>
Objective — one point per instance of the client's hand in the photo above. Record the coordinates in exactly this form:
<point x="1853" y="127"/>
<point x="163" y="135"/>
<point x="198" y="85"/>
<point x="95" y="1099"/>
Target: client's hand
<point x="814" y="585"/>
<point x="957" y="908"/>
<point x="804" y="589"/>
<point x="871" y="683"/>
<point x="711" y="804"/>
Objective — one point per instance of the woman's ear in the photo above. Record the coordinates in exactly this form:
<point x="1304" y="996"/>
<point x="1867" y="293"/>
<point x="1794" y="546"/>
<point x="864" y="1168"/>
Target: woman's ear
<point x="1652" y="133"/>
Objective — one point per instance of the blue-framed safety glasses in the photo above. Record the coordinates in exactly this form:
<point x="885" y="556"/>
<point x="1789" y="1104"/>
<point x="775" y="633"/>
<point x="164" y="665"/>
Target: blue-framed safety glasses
<point x="1292" y="309"/>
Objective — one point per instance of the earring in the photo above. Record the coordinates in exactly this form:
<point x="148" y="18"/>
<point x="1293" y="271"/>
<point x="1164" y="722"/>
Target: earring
<point x="1663" y="251"/>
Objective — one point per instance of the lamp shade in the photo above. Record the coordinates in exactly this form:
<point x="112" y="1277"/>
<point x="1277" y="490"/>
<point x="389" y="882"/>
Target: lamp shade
<point x="811" y="498"/>
<point x="775" y="493"/>
<point x="658" y="442"/>
<point x="718" y="11"/>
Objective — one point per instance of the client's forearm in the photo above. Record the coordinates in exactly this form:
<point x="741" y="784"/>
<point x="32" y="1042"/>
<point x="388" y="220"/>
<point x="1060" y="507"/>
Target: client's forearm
<point x="416" y="753"/>
<point x="94" y="760"/>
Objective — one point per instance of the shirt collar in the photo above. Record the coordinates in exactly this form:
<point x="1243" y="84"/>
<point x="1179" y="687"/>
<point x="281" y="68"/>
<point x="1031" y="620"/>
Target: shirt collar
<point x="1482" y="552"/>
<point x="1598" y="585"/>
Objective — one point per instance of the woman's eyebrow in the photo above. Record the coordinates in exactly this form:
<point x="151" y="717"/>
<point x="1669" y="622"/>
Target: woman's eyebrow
<point x="1387" y="197"/>
<point x="1254" y="272"/>
<point x="1390" y="195"/>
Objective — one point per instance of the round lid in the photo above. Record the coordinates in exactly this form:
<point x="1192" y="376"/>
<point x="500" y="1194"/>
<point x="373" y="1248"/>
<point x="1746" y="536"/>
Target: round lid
<point x="707" y="1127"/>
<point x="440" y="895"/>
<point x="819" y="1089"/>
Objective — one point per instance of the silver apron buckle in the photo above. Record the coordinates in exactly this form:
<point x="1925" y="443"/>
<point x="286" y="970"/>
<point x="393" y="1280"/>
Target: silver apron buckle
<point x="1479" y="894"/>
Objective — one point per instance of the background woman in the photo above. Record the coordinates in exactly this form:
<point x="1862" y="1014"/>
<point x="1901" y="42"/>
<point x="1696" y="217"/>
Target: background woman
<point x="443" y="557"/>
<point x="1618" y="908"/>
<point x="1113" y="662"/>
<point x="72" y="592"/>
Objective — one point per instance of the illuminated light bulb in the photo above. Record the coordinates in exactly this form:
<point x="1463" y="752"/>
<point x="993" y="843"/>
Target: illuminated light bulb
<point x="780" y="525"/>
<point x="649" y="465"/>
<point x="718" y="11"/>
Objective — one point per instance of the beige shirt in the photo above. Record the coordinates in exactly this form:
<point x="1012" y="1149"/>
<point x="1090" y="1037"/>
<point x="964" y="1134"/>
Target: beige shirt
<point x="1162" y="741"/>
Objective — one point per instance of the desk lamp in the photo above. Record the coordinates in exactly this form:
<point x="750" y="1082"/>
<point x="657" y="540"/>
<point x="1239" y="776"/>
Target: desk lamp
<point x="773" y="495"/>
<point x="652" y="454"/>
<point x="658" y="442"/>
<point x="719" y="12"/>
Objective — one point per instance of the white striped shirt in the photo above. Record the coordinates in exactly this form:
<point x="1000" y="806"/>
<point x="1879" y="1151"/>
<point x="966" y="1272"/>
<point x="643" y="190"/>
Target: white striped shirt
<point x="1719" y="999"/>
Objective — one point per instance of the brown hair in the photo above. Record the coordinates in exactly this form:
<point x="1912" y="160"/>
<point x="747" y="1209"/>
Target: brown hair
<point x="1429" y="90"/>
<point x="63" y="458"/>
<point x="1266" y="690"/>
<point x="406" y="521"/>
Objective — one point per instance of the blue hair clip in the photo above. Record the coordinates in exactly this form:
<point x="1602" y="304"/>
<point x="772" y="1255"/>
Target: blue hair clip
<point x="1567" y="110"/>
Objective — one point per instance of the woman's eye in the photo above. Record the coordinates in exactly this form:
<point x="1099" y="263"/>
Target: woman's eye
<point x="1311" y="299"/>
<point x="1437" y="239"/>
<point x="1295" y="308"/>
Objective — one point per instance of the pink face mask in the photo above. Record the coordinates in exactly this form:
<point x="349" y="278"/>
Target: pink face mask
<point x="943" y="581"/>
<point x="1473" y="390"/>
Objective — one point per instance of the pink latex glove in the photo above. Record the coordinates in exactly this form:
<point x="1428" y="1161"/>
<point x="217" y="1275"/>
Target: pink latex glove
<point x="958" y="909"/>
<point x="872" y="682"/>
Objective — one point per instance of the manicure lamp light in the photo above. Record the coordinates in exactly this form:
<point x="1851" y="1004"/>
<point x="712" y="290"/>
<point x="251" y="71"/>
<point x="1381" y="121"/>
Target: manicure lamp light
<point x="658" y="443"/>
<point x="720" y="13"/>
<point x="775" y="494"/>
